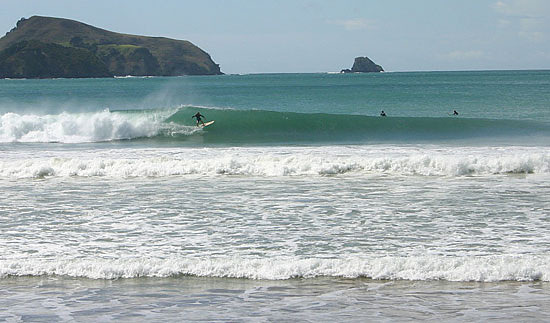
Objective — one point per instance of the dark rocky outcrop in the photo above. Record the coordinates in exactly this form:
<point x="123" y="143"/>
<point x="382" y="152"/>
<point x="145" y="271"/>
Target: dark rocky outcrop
<point x="97" y="49"/>
<point x="363" y="65"/>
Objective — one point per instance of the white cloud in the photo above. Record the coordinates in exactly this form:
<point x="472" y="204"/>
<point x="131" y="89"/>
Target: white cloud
<point x="504" y="22"/>
<point x="354" y="24"/>
<point x="533" y="36"/>
<point x="528" y="17"/>
<point x="525" y="8"/>
<point x="501" y="7"/>
<point x="542" y="54"/>
<point x="460" y="55"/>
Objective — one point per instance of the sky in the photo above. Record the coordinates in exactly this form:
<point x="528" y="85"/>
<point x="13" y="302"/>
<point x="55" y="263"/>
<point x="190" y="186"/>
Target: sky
<point x="285" y="36"/>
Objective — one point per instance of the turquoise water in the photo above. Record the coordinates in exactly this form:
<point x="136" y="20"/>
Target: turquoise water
<point x="299" y="203"/>
<point x="505" y="107"/>
<point x="493" y="95"/>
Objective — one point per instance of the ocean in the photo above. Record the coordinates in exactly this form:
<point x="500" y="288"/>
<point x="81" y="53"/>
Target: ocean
<point x="300" y="203"/>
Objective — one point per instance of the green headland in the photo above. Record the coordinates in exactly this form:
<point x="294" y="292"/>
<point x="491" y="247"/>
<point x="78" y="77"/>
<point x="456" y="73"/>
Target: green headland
<point x="45" y="47"/>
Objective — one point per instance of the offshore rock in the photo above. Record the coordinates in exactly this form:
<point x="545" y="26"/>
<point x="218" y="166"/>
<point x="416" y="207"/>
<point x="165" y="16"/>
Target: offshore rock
<point x="363" y="65"/>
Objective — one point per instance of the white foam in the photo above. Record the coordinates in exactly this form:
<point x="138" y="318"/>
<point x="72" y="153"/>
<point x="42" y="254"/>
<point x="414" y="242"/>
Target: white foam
<point x="279" y="162"/>
<point x="481" y="269"/>
<point x="77" y="127"/>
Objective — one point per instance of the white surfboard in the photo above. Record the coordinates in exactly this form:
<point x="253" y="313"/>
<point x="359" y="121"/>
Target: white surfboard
<point x="206" y="124"/>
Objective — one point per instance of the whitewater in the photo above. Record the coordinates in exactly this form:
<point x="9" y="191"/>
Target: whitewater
<point x="278" y="161"/>
<point x="299" y="203"/>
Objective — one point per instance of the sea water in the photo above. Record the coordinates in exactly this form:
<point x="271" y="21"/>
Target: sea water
<point x="299" y="203"/>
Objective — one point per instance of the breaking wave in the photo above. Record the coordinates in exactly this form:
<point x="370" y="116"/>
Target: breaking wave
<point x="86" y="127"/>
<point x="254" y="126"/>
<point x="282" y="161"/>
<point x="480" y="269"/>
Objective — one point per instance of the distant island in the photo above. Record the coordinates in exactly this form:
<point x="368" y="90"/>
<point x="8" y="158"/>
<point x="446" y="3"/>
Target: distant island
<point x="363" y="65"/>
<point x="45" y="47"/>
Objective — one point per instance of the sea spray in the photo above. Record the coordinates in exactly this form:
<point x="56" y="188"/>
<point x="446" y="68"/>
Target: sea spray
<point x="79" y="127"/>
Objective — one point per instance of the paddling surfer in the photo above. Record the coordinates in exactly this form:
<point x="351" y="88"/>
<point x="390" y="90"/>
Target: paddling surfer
<point x="198" y="115"/>
<point x="382" y="114"/>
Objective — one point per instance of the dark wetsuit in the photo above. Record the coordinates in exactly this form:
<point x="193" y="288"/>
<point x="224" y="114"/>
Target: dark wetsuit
<point x="198" y="116"/>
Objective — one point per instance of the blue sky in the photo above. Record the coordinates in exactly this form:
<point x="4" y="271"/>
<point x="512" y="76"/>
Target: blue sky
<point x="255" y="36"/>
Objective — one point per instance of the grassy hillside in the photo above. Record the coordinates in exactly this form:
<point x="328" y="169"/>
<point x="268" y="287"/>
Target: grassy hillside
<point x="123" y="54"/>
<point x="34" y="59"/>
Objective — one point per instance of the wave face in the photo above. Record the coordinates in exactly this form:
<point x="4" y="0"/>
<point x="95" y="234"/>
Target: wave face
<point x="256" y="126"/>
<point x="480" y="269"/>
<point x="259" y="125"/>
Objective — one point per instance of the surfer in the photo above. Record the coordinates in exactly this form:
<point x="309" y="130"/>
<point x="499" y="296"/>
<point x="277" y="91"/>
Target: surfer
<point x="455" y="113"/>
<point x="382" y="114"/>
<point x="198" y="115"/>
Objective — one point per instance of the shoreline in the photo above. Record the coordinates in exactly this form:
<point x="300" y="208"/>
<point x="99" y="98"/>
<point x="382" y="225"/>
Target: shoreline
<point x="62" y="299"/>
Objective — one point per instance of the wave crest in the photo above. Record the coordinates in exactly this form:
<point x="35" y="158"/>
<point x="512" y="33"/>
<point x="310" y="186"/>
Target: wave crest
<point x="78" y="127"/>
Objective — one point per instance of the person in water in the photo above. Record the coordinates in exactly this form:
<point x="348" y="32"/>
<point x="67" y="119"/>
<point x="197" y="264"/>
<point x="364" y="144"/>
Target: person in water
<point x="455" y="113"/>
<point x="198" y="115"/>
<point x="382" y="114"/>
